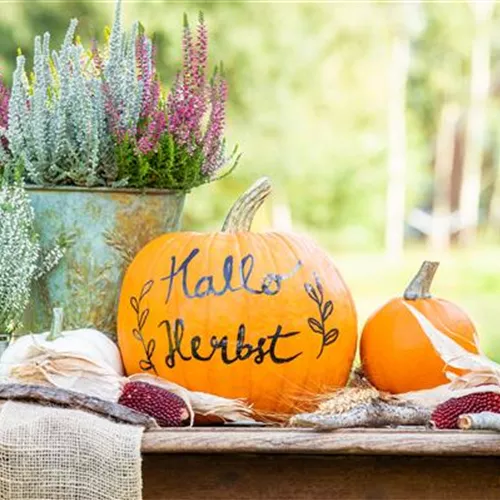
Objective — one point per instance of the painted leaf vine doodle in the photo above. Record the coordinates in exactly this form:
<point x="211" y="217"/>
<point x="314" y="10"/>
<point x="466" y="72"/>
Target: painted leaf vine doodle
<point x="325" y="309"/>
<point x="141" y="317"/>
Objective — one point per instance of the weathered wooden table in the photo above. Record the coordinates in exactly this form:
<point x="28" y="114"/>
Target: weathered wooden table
<point x="244" y="463"/>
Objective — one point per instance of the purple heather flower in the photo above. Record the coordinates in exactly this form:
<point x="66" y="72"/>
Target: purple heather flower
<point x="153" y="119"/>
<point x="156" y="127"/>
<point x="191" y="98"/>
<point x="213" y="141"/>
<point x="201" y="55"/>
<point x="189" y="54"/>
<point x="147" y="76"/>
<point x="185" y="108"/>
<point x="112" y="112"/>
<point x="187" y="100"/>
<point x="4" y="109"/>
<point x="4" y="103"/>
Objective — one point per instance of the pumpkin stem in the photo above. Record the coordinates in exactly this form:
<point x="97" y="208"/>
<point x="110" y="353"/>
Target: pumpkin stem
<point x="419" y="287"/>
<point x="57" y="323"/>
<point x="241" y="215"/>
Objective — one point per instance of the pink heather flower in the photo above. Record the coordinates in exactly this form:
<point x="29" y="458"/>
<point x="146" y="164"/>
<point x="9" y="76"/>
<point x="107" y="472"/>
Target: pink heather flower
<point x="156" y="127"/>
<point x="4" y="103"/>
<point x="213" y="141"/>
<point x="4" y="108"/>
<point x="185" y="112"/>
<point x="147" y="75"/>
<point x="189" y="99"/>
<point x="196" y="110"/>
<point x="201" y="55"/>
<point x="189" y="54"/>
<point x="112" y="111"/>
<point x="153" y="119"/>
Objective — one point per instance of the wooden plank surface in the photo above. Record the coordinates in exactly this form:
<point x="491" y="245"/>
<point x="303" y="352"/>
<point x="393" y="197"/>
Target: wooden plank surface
<point x="408" y="441"/>
<point x="250" y="476"/>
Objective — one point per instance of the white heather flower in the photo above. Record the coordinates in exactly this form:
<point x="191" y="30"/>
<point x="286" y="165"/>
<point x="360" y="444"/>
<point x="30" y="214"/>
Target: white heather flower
<point x="60" y="129"/>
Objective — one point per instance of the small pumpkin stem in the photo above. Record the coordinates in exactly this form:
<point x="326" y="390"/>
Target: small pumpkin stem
<point x="57" y="324"/>
<point x="419" y="287"/>
<point x="242" y="213"/>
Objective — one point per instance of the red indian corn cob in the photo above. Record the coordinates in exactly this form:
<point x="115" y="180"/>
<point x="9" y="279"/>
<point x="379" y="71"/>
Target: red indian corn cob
<point x="445" y="416"/>
<point x="168" y="409"/>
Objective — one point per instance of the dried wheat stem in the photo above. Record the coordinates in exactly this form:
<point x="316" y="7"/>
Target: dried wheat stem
<point x="487" y="421"/>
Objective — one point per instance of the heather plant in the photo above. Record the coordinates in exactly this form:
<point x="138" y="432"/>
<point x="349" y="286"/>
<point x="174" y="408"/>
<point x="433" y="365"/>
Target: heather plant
<point x="22" y="260"/>
<point x="100" y="117"/>
<point x="55" y="129"/>
<point x="59" y="118"/>
<point x="179" y="142"/>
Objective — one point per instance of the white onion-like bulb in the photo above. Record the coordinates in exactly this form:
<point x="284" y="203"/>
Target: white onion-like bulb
<point x="89" y="357"/>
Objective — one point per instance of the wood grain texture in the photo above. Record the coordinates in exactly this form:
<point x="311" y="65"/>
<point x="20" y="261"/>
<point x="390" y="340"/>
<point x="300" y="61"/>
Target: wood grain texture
<point x="408" y="441"/>
<point x="319" y="477"/>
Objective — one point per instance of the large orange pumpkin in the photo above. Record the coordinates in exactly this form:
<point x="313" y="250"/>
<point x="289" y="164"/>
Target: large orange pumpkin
<point x="396" y="354"/>
<point x="265" y="317"/>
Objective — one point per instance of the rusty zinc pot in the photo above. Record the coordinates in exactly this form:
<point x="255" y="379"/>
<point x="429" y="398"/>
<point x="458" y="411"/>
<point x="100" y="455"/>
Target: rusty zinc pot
<point x="107" y="227"/>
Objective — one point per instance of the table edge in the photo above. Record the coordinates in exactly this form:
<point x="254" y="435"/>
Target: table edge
<point x="415" y="441"/>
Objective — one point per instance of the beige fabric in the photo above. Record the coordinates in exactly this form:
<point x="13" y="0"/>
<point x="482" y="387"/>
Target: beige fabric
<point x="51" y="453"/>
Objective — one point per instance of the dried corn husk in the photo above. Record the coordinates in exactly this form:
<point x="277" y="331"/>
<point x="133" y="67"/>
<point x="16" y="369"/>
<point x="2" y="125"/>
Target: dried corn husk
<point x="484" y="421"/>
<point x="69" y="371"/>
<point x="78" y="374"/>
<point x="93" y="367"/>
<point x="82" y="360"/>
<point x="481" y="373"/>
<point x="202" y="403"/>
<point x="430" y="398"/>
<point x="453" y="354"/>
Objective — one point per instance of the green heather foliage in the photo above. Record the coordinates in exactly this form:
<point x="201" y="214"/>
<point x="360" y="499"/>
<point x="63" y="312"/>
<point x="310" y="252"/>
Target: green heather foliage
<point x="169" y="166"/>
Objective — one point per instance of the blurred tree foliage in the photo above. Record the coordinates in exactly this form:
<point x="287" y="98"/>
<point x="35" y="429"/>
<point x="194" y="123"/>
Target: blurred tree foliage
<point x="308" y="96"/>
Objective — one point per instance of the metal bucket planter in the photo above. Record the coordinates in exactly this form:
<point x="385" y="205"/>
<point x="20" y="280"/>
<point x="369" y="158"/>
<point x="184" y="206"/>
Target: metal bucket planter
<point x="107" y="227"/>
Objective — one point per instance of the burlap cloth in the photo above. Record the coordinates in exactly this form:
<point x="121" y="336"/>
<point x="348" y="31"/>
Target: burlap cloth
<point x="49" y="453"/>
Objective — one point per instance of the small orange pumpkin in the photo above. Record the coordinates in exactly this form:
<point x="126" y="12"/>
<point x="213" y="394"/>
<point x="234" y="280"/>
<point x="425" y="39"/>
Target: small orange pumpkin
<point x="396" y="354"/>
<point x="265" y="317"/>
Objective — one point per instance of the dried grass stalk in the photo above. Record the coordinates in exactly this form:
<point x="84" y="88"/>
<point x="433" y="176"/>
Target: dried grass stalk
<point x="346" y="399"/>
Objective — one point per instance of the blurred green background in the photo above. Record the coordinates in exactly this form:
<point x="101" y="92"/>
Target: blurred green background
<point x="378" y="124"/>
